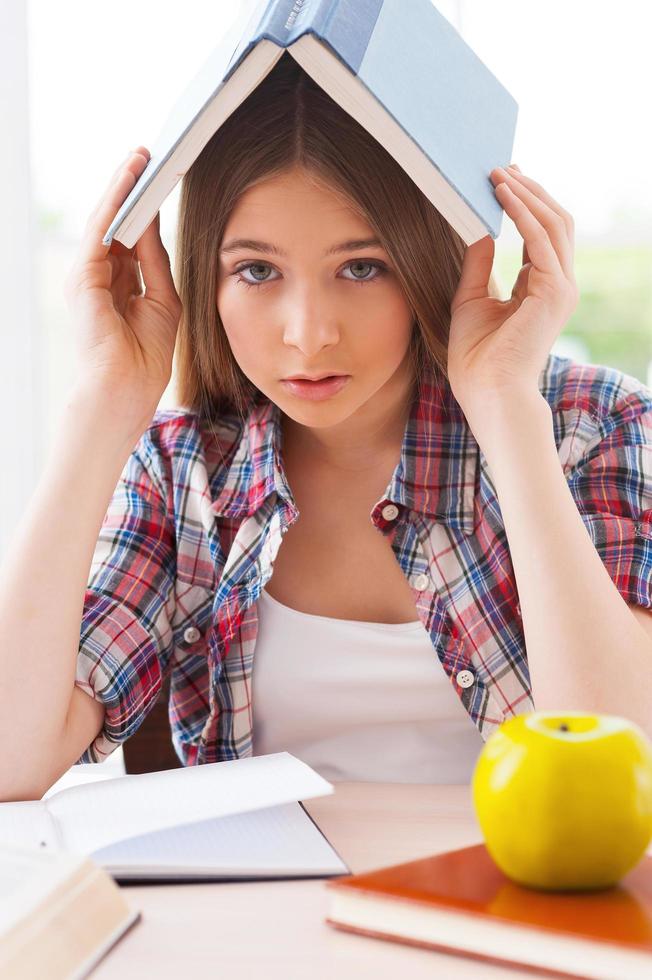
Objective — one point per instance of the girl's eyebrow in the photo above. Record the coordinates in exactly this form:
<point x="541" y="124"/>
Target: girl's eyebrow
<point x="250" y="243"/>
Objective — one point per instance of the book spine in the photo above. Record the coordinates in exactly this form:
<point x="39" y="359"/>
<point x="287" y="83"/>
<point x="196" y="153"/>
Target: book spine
<point x="344" y="25"/>
<point x="287" y="21"/>
<point x="282" y="22"/>
<point x="347" y="28"/>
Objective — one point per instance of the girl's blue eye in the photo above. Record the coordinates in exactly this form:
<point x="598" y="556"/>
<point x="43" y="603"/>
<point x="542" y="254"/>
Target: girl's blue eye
<point x="380" y="270"/>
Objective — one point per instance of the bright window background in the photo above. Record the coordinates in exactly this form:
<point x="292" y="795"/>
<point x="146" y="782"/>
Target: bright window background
<point x="83" y="83"/>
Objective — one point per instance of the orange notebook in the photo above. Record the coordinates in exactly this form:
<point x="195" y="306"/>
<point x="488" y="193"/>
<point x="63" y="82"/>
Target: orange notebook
<point x="460" y="902"/>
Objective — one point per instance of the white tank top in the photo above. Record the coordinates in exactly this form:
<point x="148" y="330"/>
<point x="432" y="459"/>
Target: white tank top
<point x="356" y="700"/>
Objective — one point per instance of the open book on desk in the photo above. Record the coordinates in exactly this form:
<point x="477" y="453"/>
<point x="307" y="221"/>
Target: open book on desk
<point x="233" y="820"/>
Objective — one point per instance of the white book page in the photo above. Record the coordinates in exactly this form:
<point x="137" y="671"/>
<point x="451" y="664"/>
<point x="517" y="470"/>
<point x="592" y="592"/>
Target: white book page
<point x="279" y="840"/>
<point x="28" y="824"/>
<point x="93" y="816"/>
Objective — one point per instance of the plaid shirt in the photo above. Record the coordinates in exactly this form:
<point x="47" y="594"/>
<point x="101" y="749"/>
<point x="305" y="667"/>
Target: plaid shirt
<point x="197" y="518"/>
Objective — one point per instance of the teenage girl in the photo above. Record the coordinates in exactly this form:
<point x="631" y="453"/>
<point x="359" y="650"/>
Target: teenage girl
<point x="371" y="571"/>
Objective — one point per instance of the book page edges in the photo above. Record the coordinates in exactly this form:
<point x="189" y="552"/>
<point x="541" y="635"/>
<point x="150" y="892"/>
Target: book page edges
<point x="469" y="934"/>
<point x="354" y="97"/>
<point x="168" y="165"/>
<point x="111" y="939"/>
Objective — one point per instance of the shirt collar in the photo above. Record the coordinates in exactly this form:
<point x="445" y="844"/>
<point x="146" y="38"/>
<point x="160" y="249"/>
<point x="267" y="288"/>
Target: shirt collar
<point x="436" y="473"/>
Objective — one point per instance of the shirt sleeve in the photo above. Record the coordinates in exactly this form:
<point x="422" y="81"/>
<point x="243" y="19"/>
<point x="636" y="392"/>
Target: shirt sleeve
<point x="612" y="487"/>
<point x="126" y="638"/>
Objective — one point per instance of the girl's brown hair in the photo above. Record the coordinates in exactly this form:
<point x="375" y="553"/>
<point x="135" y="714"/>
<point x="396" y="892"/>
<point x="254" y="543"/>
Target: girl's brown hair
<point x="288" y="120"/>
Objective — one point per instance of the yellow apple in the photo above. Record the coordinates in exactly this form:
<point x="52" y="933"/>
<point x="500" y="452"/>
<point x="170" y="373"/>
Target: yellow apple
<point x="564" y="799"/>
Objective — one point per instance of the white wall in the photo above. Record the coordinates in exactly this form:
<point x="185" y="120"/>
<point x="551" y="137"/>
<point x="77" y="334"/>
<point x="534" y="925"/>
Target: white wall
<point x="20" y="366"/>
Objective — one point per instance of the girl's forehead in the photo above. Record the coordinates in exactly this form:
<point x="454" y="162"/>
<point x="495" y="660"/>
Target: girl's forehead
<point x="296" y="184"/>
<point x="331" y="230"/>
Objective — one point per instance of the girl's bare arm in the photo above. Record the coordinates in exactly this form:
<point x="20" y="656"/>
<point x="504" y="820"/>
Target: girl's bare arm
<point x="125" y="313"/>
<point x="45" y="721"/>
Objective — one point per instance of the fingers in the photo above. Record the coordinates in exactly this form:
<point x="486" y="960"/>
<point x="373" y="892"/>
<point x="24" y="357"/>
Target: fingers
<point x="116" y="172"/>
<point x="119" y="187"/>
<point x="540" y="192"/>
<point x="155" y="267"/>
<point x="540" y="245"/>
<point x="546" y="228"/>
<point x="476" y="269"/>
<point x="526" y="258"/>
<point x="139" y="150"/>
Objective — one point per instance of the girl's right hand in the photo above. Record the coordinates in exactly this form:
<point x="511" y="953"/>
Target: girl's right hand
<point x="124" y="336"/>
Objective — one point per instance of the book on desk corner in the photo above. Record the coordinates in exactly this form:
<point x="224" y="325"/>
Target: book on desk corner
<point x="59" y="914"/>
<point x="460" y="902"/>
<point x="241" y="819"/>
<point x="401" y="70"/>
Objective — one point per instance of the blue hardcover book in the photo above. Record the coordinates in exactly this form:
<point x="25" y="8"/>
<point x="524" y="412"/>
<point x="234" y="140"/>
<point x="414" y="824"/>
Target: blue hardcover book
<point x="397" y="66"/>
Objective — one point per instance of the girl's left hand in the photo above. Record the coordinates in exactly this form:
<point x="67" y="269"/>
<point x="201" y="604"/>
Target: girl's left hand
<point x="498" y="348"/>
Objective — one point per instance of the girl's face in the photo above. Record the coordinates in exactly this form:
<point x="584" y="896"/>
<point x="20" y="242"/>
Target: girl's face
<point x="299" y="296"/>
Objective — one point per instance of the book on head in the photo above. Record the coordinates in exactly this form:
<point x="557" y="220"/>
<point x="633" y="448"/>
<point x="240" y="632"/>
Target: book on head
<point x="399" y="69"/>
<point x="460" y="902"/>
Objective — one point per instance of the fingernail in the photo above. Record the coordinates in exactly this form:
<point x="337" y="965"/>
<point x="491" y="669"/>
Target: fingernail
<point x="513" y="166"/>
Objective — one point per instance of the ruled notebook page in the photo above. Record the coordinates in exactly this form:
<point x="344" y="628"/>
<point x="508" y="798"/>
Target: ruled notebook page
<point x="93" y="816"/>
<point x="279" y="840"/>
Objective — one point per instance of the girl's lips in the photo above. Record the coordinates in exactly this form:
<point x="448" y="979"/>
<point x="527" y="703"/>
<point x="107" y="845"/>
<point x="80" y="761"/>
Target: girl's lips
<point x="317" y="390"/>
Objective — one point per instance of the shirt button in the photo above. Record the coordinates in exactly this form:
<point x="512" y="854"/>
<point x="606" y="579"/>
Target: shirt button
<point x="191" y="634"/>
<point x="465" y="678"/>
<point x="389" y="512"/>
<point x="518" y="608"/>
<point x="420" y="582"/>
